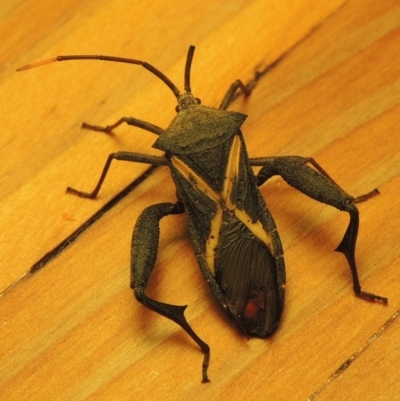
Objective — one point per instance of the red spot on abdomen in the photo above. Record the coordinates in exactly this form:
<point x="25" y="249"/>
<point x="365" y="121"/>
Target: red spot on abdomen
<point x="251" y="310"/>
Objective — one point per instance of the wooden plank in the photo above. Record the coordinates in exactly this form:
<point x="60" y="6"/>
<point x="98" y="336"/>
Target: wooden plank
<point x="45" y="107"/>
<point x="73" y="330"/>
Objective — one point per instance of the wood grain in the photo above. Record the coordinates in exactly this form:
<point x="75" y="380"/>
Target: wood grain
<point x="72" y="330"/>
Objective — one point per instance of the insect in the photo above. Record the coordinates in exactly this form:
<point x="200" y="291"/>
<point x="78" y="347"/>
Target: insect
<point x="234" y="235"/>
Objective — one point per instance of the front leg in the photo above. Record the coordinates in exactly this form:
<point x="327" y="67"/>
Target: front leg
<point x="230" y="94"/>
<point x="128" y="120"/>
<point x="318" y="185"/>
<point x="144" y="252"/>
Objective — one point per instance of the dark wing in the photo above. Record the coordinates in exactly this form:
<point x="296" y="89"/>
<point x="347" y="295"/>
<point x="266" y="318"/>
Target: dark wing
<point x="246" y="274"/>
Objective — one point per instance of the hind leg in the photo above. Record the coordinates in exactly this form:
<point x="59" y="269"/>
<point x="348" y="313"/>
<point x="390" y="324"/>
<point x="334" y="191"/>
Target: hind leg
<point x="317" y="184"/>
<point x="144" y="252"/>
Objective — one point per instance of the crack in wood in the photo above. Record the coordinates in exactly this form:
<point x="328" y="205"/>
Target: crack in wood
<point x="354" y="356"/>
<point x="259" y="74"/>
<point x="42" y="262"/>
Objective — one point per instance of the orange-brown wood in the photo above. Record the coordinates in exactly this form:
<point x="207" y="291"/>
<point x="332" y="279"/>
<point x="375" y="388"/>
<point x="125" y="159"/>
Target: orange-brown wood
<point x="73" y="330"/>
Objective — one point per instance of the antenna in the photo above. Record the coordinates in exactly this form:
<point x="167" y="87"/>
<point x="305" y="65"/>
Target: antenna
<point x="187" y="68"/>
<point x="147" y="66"/>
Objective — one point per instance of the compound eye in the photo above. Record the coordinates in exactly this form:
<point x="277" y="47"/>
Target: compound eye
<point x="177" y="109"/>
<point x="198" y="101"/>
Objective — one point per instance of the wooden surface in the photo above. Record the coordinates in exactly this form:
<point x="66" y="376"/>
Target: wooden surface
<point x="73" y="330"/>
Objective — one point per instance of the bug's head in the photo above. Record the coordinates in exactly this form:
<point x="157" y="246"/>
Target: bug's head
<point x="186" y="100"/>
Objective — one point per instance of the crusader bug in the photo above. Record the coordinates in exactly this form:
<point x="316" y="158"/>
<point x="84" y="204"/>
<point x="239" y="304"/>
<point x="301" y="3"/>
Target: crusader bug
<point x="234" y="235"/>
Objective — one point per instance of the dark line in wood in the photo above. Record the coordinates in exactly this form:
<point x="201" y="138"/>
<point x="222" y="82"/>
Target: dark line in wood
<point x="71" y="238"/>
<point x="353" y="357"/>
